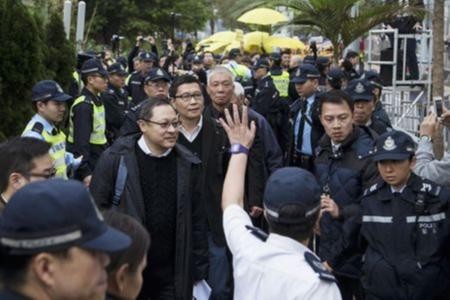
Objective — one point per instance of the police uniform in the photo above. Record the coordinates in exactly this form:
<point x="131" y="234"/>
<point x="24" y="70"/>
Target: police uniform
<point x="280" y="77"/>
<point x="115" y="100"/>
<point x="135" y="83"/>
<point x="241" y="73"/>
<point x="407" y="232"/>
<point x="40" y="128"/>
<point x="276" y="266"/>
<point x="87" y="124"/>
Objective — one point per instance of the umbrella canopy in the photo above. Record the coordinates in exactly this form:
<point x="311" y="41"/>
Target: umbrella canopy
<point x="253" y="41"/>
<point x="215" y="47"/>
<point x="223" y="36"/>
<point x="273" y="42"/>
<point x="262" y="16"/>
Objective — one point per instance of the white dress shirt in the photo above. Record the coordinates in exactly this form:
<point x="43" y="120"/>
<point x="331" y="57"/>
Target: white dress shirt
<point x="143" y="145"/>
<point x="192" y="136"/>
<point x="274" y="269"/>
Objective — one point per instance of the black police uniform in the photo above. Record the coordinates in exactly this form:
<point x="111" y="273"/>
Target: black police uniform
<point x="135" y="87"/>
<point x="116" y="106"/>
<point x="276" y="111"/>
<point x="407" y="236"/>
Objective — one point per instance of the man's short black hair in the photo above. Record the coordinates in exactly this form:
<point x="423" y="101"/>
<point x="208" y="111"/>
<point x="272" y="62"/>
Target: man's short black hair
<point x="299" y="232"/>
<point x="146" y="111"/>
<point x="16" y="156"/>
<point x="180" y="80"/>
<point x="335" y="97"/>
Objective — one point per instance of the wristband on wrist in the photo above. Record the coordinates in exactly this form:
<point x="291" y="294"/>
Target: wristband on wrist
<point x="425" y="138"/>
<point x="238" y="148"/>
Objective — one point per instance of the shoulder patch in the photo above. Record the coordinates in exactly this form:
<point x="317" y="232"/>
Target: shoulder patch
<point x="38" y="127"/>
<point x="110" y="91"/>
<point x="371" y="189"/>
<point x="430" y="188"/>
<point x="318" y="267"/>
<point x="259" y="233"/>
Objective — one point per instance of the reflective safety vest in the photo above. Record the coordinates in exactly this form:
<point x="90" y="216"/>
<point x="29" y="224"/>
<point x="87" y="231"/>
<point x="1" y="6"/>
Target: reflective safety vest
<point x="57" y="149"/>
<point x="240" y="72"/>
<point x="281" y="82"/>
<point x="98" y="136"/>
<point x="77" y="78"/>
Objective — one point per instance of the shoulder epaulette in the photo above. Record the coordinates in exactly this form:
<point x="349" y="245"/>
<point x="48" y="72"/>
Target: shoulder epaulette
<point x="429" y="187"/>
<point x="371" y="189"/>
<point x="259" y="233"/>
<point x="318" y="267"/>
<point x="38" y="127"/>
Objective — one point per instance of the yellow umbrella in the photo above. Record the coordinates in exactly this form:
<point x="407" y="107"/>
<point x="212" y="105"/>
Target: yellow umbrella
<point x="262" y="16"/>
<point x="253" y="41"/>
<point x="223" y="36"/>
<point x="273" y="42"/>
<point x="216" y="47"/>
<point x="233" y="45"/>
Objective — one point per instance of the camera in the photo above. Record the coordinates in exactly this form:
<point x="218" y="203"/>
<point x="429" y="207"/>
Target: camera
<point x="116" y="38"/>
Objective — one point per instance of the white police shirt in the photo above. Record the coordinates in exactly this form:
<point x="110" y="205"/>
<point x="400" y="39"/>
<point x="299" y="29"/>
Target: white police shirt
<point x="274" y="269"/>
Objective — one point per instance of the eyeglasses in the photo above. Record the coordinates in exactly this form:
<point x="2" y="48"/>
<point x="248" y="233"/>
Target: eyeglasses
<point x="43" y="175"/>
<point x="164" y="125"/>
<point x="189" y="97"/>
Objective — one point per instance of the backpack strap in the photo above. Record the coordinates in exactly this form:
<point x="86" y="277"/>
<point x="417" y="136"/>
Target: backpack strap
<point x="120" y="182"/>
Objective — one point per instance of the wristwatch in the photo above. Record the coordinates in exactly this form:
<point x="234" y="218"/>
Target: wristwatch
<point x="238" y="148"/>
<point x="425" y="138"/>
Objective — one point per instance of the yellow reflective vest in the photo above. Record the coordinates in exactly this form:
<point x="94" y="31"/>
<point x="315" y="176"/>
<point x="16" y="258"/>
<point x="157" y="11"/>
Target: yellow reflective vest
<point x="281" y="82"/>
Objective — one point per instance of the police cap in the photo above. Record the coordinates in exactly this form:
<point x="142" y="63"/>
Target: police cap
<point x="291" y="186"/>
<point x="118" y="69"/>
<point x="373" y="77"/>
<point x="360" y="89"/>
<point x="322" y="60"/>
<point x="393" y="145"/>
<point x="157" y="74"/>
<point x="261" y="63"/>
<point x="309" y="59"/>
<point x="305" y="72"/>
<point x="147" y="56"/>
<point x="234" y="53"/>
<point x="92" y="66"/>
<point x="55" y="215"/>
<point x="48" y="90"/>
<point x="335" y="74"/>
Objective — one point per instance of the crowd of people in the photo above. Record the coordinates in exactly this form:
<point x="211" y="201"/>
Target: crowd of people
<point x="264" y="176"/>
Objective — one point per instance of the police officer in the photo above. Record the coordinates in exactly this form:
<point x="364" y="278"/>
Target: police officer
<point x="307" y="129"/>
<point x="241" y="72"/>
<point x="405" y="227"/>
<point x="87" y="123"/>
<point x="323" y="66"/>
<point x="77" y="84"/>
<point x="267" y="103"/>
<point x="156" y="86"/>
<point x="279" y="75"/>
<point x="360" y="90"/>
<point x="115" y="99"/>
<point x="292" y="204"/>
<point x="135" y="82"/>
<point x="335" y="79"/>
<point x="49" y="102"/>
<point x="379" y="112"/>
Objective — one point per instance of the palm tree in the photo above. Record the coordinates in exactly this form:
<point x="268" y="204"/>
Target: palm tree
<point x="333" y="18"/>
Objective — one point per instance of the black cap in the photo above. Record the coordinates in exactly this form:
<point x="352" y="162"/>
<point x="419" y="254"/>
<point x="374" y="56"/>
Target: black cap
<point x="305" y="72"/>
<point x="275" y="56"/>
<point x="117" y="68"/>
<point x="291" y="186"/>
<point x="261" y="63"/>
<point x="393" y="145"/>
<point x="351" y="54"/>
<point x="55" y="215"/>
<point x="197" y="59"/>
<point x="234" y="53"/>
<point x="322" y="60"/>
<point x="48" y="90"/>
<point x="92" y="66"/>
<point x="335" y="74"/>
<point x="360" y="89"/>
<point x="147" y="56"/>
<point x="373" y="77"/>
<point x="309" y="59"/>
<point x="157" y="74"/>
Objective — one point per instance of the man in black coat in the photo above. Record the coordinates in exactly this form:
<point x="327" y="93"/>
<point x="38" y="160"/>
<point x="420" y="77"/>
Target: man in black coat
<point x="149" y="177"/>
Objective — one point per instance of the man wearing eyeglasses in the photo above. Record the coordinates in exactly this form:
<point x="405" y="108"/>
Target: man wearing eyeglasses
<point x="87" y="123"/>
<point x="150" y="177"/>
<point x="23" y="160"/>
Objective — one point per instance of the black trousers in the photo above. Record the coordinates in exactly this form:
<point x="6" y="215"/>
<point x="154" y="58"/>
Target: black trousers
<point x="350" y="288"/>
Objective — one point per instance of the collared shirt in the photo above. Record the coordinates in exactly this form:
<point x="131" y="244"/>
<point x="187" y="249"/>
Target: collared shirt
<point x="143" y="145"/>
<point x="335" y="147"/>
<point x="258" y="265"/>
<point x="400" y="190"/>
<point x="306" y="139"/>
<point x="192" y="136"/>
<point x="50" y="128"/>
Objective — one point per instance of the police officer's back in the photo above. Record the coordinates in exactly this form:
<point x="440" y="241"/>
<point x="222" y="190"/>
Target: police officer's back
<point x="405" y="226"/>
<point x="277" y="266"/>
<point x="115" y="99"/>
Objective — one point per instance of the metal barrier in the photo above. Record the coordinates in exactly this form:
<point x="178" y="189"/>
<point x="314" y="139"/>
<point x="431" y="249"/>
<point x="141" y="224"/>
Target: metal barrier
<point x="405" y="100"/>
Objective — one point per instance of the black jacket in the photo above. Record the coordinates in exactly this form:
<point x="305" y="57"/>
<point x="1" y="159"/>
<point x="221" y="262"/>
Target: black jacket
<point x="343" y="176"/>
<point x="191" y="261"/>
<point x="115" y="101"/>
<point x="135" y="87"/>
<point x="406" y="242"/>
